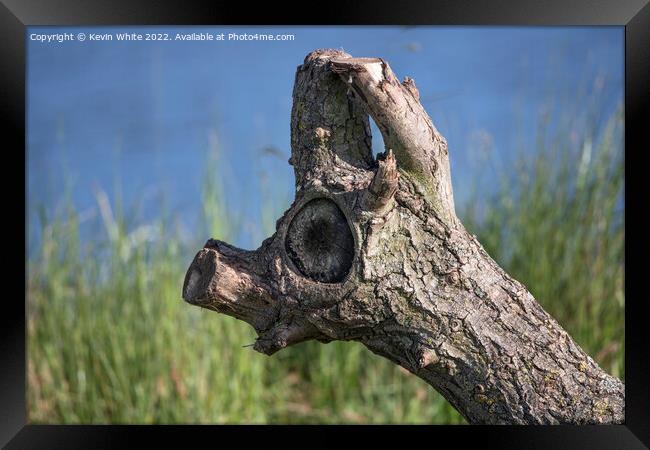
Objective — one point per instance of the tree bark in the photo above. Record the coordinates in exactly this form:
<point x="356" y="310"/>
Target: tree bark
<point x="372" y="251"/>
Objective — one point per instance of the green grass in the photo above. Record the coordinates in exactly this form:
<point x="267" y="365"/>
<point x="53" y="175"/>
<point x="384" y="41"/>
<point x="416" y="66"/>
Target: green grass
<point x="111" y="341"/>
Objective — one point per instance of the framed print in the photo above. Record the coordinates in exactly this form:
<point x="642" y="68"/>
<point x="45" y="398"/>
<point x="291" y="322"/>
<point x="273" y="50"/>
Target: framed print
<point x="368" y="214"/>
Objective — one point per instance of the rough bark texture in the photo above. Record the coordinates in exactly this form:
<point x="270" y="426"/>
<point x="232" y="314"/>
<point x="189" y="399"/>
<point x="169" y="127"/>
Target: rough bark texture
<point x="372" y="251"/>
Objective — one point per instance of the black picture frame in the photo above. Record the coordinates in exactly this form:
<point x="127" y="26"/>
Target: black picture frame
<point x="16" y="15"/>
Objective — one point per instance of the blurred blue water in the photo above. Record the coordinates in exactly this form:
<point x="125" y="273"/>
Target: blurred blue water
<point x="141" y="115"/>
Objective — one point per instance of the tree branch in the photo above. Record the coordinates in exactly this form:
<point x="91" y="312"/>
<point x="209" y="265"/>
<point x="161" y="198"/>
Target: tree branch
<point x="372" y="251"/>
<point x="404" y="124"/>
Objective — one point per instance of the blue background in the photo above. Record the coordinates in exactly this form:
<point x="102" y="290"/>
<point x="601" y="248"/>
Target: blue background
<point x="137" y="118"/>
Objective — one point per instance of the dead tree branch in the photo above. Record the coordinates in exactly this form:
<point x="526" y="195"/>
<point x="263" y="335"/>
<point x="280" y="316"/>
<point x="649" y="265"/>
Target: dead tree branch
<point x="372" y="251"/>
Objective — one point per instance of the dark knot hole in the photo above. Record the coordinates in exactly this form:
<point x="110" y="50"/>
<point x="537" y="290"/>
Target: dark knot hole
<point x="320" y="243"/>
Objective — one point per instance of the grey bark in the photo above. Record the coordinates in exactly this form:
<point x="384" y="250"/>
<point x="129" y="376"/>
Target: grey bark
<point x="372" y="251"/>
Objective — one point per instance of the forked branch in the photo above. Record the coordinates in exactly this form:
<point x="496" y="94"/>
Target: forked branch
<point x="372" y="251"/>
